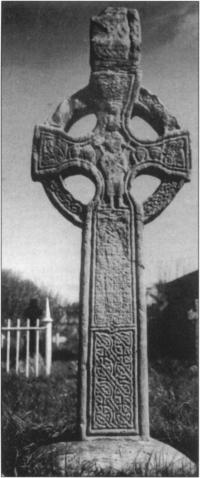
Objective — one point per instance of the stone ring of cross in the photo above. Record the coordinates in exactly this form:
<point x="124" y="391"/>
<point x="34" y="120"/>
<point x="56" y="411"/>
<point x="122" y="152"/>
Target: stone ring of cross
<point x="111" y="156"/>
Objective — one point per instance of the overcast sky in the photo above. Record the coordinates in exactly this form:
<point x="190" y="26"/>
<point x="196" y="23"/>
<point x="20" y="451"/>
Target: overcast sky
<point x="45" y="57"/>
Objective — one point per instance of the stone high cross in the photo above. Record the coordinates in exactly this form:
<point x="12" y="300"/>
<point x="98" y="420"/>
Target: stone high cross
<point x="113" y="391"/>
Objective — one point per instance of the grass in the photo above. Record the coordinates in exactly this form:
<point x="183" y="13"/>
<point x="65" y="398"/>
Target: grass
<point x="40" y="411"/>
<point x="173" y="389"/>
<point x="37" y="411"/>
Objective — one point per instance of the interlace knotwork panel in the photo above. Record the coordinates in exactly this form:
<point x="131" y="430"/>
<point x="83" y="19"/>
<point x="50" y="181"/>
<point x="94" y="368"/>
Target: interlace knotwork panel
<point x="64" y="197"/>
<point x="160" y="199"/>
<point x="113" y="401"/>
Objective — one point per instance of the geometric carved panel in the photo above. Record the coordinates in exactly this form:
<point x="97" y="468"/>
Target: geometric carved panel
<point x="113" y="404"/>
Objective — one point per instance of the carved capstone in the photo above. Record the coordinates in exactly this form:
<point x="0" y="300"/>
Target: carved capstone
<point x="113" y="392"/>
<point x="115" y="40"/>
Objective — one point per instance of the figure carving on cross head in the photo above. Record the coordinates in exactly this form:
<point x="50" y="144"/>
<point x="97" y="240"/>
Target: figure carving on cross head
<point x="113" y="163"/>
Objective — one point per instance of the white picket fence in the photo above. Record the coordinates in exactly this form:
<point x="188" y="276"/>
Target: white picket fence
<point x="46" y="325"/>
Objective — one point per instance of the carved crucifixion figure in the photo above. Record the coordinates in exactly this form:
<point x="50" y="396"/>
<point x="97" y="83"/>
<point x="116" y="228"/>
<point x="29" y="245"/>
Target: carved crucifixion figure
<point x="113" y="380"/>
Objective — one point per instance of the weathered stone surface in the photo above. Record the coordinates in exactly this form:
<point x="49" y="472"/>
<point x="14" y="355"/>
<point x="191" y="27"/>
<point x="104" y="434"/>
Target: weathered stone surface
<point x="113" y="380"/>
<point x="112" y="241"/>
<point x="116" y="39"/>
<point x="111" y="457"/>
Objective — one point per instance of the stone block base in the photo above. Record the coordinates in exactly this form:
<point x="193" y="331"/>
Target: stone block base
<point x="113" y="457"/>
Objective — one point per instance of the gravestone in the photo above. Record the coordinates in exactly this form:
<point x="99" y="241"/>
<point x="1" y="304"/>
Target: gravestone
<point x="33" y="312"/>
<point x="113" y="368"/>
<point x="193" y="314"/>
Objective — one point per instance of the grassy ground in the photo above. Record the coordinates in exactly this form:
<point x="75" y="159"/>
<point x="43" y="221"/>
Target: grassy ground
<point x="39" y="411"/>
<point x="173" y="398"/>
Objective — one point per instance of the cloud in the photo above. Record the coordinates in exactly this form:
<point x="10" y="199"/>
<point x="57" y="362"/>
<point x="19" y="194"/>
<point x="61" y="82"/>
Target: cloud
<point x="163" y="21"/>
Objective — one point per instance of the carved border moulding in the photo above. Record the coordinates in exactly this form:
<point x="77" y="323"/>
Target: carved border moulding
<point x="113" y="368"/>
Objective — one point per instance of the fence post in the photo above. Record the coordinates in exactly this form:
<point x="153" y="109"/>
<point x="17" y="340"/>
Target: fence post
<point x="27" y="347"/>
<point x="37" y="348"/>
<point x="8" y="347"/>
<point x="57" y="339"/>
<point x="17" y="345"/>
<point x="48" y="345"/>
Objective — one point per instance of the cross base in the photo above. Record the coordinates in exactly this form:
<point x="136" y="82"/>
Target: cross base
<point x="120" y="456"/>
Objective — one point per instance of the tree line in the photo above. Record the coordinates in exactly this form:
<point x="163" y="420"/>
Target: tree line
<point x="17" y="293"/>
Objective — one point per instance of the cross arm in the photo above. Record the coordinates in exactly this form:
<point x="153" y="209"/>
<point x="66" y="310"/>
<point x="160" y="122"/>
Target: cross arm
<point x="168" y="158"/>
<point x="56" y="156"/>
<point x="170" y="161"/>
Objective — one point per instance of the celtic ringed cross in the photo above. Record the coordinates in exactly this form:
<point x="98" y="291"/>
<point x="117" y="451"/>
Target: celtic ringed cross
<point x="113" y="390"/>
